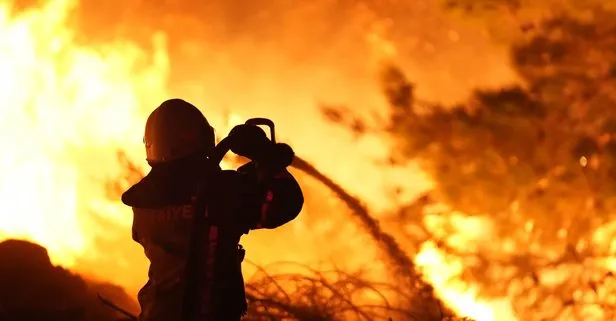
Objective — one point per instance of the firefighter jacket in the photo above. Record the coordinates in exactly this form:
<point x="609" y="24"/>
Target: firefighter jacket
<point x="238" y="201"/>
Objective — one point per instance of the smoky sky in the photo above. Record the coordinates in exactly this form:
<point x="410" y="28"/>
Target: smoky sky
<point x="284" y="58"/>
<point x="448" y="56"/>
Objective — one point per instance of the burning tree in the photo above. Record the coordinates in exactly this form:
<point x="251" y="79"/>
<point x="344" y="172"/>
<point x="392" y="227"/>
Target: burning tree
<point x="536" y="160"/>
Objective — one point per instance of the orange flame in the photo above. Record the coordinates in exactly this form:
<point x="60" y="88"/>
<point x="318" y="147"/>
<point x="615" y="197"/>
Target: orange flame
<point x="65" y="109"/>
<point x="68" y="108"/>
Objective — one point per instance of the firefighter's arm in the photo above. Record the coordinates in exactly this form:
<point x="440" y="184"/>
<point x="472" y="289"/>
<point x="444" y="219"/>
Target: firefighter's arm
<point x="272" y="199"/>
<point x="272" y="195"/>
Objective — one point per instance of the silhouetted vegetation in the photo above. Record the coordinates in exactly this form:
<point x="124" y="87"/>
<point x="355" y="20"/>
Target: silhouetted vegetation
<point x="318" y="295"/>
<point x="536" y="162"/>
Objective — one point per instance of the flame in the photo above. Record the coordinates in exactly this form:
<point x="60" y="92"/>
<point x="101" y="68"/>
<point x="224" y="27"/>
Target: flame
<point x="462" y="297"/>
<point x="444" y="273"/>
<point x="68" y="108"/>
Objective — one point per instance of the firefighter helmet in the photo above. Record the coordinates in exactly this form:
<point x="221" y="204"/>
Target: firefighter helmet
<point x="174" y="130"/>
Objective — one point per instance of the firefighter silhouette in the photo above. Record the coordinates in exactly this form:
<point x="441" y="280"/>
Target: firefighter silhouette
<point x="189" y="214"/>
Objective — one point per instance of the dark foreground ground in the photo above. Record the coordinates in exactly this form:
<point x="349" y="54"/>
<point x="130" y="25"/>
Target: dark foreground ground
<point x="32" y="289"/>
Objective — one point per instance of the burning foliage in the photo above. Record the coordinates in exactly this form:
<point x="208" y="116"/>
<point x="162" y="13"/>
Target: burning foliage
<point x="315" y="295"/>
<point x="332" y="295"/>
<point x="535" y="164"/>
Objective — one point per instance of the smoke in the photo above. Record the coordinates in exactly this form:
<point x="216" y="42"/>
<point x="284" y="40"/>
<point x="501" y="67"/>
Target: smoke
<point x="282" y="59"/>
<point x="295" y="40"/>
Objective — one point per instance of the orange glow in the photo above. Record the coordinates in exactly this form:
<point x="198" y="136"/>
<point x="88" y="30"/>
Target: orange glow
<point x="65" y="109"/>
<point x="68" y="108"/>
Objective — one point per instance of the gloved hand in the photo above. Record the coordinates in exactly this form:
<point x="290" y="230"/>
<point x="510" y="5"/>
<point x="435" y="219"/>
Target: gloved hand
<point x="279" y="157"/>
<point x="252" y="142"/>
<point x="249" y="141"/>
